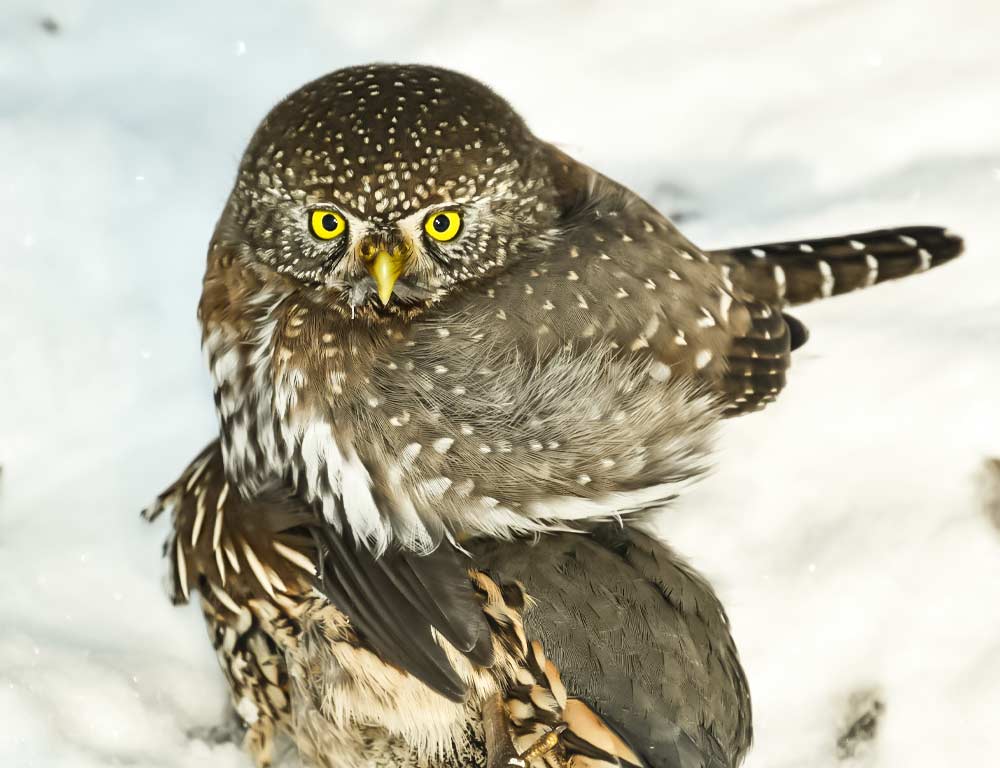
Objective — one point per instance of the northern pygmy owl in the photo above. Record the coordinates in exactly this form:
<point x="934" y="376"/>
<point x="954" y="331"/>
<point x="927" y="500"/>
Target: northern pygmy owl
<point x="426" y="324"/>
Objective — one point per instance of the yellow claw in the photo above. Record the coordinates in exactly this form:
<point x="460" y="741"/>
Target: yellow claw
<point x="540" y="748"/>
<point x="385" y="269"/>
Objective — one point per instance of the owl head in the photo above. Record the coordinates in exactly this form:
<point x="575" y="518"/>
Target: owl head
<point x="390" y="186"/>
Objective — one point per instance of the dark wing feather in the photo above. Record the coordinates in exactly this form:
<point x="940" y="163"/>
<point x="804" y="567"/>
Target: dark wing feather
<point x="639" y="637"/>
<point x="393" y="601"/>
<point x="396" y="599"/>
<point x="759" y="361"/>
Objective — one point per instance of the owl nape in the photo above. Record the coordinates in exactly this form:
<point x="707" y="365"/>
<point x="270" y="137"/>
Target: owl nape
<point x="453" y="367"/>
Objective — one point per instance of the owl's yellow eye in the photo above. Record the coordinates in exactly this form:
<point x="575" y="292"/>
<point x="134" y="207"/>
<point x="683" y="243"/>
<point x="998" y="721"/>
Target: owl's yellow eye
<point x="443" y="225"/>
<point x="327" y="225"/>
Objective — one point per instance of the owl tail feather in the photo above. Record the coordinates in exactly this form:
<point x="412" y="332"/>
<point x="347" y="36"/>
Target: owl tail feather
<point x="801" y="271"/>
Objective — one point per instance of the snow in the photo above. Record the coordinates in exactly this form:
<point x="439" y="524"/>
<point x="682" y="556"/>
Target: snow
<point x="843" y="528"/>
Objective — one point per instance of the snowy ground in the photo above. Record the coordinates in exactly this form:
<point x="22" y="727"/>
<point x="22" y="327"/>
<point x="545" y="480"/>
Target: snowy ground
<point x="843" y="528"/>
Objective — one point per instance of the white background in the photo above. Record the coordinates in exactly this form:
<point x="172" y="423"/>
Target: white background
<point x="843" y="529"/>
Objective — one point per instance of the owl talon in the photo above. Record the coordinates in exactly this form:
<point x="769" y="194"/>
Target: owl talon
<point x="540" y="748"/>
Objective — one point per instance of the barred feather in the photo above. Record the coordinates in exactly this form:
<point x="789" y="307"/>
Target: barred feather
<point x="800" y="271"/>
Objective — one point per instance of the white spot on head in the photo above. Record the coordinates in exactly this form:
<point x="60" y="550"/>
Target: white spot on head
<point x="760" y="253"/>
<point x="703" y="358"/>
<point x="857" y="245"/>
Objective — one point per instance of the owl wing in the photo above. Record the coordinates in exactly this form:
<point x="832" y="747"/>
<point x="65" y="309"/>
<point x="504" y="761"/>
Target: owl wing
<point x="648" y="288"/>
<point x="718" y="315"/>
<point x="580" y="382"/>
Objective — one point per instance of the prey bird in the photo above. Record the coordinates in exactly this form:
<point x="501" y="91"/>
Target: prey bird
<point x="605" y="649"/>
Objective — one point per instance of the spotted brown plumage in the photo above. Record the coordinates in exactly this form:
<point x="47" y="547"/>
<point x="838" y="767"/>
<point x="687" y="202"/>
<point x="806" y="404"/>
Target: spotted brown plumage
<point x="606" y="648"/>
<point x="424" y="324"/>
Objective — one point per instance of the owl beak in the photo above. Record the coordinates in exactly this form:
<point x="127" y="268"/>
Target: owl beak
<point x="385" y="267"/>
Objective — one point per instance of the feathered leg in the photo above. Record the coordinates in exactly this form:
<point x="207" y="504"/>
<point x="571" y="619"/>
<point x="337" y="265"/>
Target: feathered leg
<point x="496" y="730"/>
